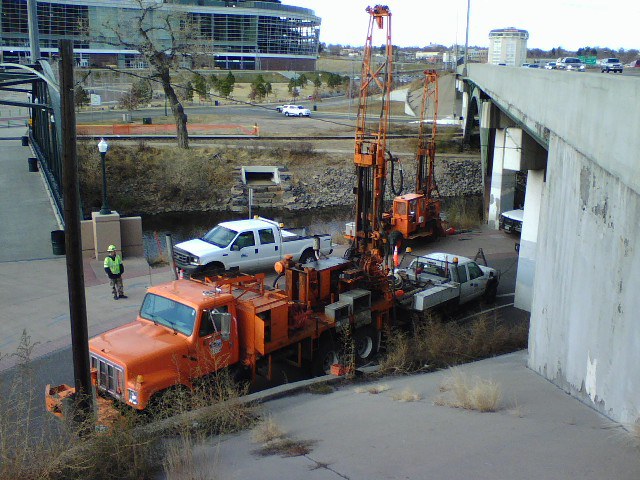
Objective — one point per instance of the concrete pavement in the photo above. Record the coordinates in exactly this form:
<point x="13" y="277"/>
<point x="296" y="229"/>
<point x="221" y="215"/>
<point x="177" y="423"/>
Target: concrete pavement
<point x="539" y="432"/>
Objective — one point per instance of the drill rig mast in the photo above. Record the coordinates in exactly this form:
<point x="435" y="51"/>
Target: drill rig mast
<point x="369" y="239"/>
<point x="418" y="214"/>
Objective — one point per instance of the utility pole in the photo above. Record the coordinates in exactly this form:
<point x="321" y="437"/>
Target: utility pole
<point x="75" y="272"/>
<point x="34" y="36"/>
<point x="466" y="40"/>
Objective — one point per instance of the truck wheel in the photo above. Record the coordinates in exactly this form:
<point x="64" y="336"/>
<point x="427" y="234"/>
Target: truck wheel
<point x="366" y="343"/>
<point x="306" y="256"/>
<point x="213" y="268"/>
<point x="325" y="356"/>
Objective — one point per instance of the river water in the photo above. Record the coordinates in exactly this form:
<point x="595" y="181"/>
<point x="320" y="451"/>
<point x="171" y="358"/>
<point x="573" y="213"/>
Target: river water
<point x="186" y="225"/>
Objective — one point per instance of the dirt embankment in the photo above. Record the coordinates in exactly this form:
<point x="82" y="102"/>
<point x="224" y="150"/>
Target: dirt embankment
<point x="149" y="179"/>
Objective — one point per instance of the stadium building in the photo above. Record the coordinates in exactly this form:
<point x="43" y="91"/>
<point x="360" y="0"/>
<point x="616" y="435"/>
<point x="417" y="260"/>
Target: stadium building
<point x="237" y="35"/>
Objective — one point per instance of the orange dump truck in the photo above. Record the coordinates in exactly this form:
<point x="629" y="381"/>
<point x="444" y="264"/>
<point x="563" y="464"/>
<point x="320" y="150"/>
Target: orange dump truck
<point x="193" y="327"/>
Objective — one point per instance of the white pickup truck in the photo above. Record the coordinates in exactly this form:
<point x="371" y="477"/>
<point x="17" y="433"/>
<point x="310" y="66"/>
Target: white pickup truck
<point x="248" y="245"/>
<point x="440" y="279"/>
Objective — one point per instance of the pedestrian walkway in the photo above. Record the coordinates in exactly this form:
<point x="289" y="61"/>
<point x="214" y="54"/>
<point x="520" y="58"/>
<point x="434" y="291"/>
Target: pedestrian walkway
<point x="26" y="214"/>
<point x="33" y="281"/>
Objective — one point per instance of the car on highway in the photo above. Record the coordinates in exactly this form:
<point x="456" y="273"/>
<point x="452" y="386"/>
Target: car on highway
<point x="533" y="65"/>
<point x="551" y="66"/>
<point x="281" y="108"/>
<point x="608" y="65"/>
<point x="571" y="64"/>
<point x="296" y="111"/>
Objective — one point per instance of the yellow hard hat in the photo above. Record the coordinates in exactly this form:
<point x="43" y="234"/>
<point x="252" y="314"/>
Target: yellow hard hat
<point x="112" y="248"/>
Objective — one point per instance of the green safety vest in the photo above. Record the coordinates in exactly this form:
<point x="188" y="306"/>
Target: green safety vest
<point x="113" y="264"/>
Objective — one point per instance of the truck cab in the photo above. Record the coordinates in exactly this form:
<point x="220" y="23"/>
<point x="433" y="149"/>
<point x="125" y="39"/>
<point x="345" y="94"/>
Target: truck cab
<point x="184" y="330"/>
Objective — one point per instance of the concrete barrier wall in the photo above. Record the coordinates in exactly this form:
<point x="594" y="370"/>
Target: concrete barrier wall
<point x="585" y="335"/>
<point x="130" y="240"/>
<point x="597" y="114"/>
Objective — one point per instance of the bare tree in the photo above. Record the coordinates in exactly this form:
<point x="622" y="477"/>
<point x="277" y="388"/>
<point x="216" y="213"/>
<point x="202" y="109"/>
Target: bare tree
<point x="165" y="39"/>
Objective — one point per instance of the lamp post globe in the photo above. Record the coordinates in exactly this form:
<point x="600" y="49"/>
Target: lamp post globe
<point x="103" y="146"/>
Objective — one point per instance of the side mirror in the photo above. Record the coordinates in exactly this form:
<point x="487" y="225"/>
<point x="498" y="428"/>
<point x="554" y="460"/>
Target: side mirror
<point x="235" y="247"/>
<point x="224" y="320"/>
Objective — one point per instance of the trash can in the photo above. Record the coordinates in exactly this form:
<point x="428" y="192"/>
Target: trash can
<point x="57" y="242"/>
<point x="217" y="103"/>
<point x="25" y="141"/>
<point x="146" y="120"/>
<point x="33" y="164"/>
<point x="315" y="108"/>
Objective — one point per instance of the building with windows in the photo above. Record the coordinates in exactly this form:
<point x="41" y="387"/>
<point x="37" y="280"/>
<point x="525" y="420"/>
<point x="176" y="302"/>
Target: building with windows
<point x="232" y="34"/>
<point x="508" y="46"/>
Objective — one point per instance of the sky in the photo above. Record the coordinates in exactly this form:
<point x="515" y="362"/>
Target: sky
<point x="570" y="24"/>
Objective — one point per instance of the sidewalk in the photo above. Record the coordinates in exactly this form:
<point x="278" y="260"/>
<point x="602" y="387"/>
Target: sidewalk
<point x="33" y="281"/>
<point x="539" y="433"/>
<point x="26" y="215"/>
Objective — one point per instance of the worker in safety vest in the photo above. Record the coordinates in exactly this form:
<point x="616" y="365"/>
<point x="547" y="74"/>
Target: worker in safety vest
<point x="114" y="269"/>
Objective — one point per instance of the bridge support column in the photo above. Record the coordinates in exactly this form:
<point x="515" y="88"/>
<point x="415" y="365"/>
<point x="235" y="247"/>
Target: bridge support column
<point x="529" y="239"/>
<point x="503" y="181"/>
<point x="488" y="125"/>
<point x="466" y="126"/>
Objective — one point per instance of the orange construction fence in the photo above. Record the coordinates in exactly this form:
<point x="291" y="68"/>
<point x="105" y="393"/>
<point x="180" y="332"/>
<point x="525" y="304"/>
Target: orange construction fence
<point x="164" y="129"/>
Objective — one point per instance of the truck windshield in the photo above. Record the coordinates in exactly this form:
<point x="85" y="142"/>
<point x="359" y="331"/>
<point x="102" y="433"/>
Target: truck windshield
<point x="220" y="236"/>
<point x="169" y="313"/>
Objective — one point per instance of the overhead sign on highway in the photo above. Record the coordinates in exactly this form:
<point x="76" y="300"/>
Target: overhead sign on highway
<point x="588" y="60"/>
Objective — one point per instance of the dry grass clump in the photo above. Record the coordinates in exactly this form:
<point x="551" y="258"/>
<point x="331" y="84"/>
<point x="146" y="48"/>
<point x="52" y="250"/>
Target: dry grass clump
<point x="372" y="389"/>
<point x="321" y="389"/>
<point x="471" y="394"/>
<point x="436" y="344"/>
<point x="462" y="216"/>
<point x="267" y="431"/>
<point x="170" y="176"/>
<point x="275" y="441"/>
<point x="33" y="446"/>
<point x="407" y="395"/>
<point x="179" y="461"/>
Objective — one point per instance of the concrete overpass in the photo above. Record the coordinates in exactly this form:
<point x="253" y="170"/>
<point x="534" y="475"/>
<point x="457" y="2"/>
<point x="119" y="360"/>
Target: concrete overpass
<point x="577" y="135"/>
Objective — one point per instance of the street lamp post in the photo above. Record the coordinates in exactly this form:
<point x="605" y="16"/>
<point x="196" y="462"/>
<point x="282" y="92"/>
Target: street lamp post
<point x="103" y="146"/>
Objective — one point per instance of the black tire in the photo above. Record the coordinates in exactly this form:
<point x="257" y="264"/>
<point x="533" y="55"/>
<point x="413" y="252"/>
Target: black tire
<point x="366" y="344"/>
<point x="286" y="114"/>
<point x="213" y="268"/>
<point x="326" y="355"/>
<point x="306" y="256"/>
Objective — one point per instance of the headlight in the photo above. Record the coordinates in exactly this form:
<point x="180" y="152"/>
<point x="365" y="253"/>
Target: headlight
<point x="133" y="396"/>
<point x="194" y="261"/>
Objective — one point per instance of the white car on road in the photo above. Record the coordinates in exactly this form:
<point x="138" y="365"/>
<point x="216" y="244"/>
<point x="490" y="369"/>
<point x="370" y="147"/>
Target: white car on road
<point x="296" y="111"/>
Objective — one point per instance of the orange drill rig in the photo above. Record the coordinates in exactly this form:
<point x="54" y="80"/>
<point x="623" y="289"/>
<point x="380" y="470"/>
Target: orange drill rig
<point x="418" y="214"/>
<point x="368" y="231"/>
